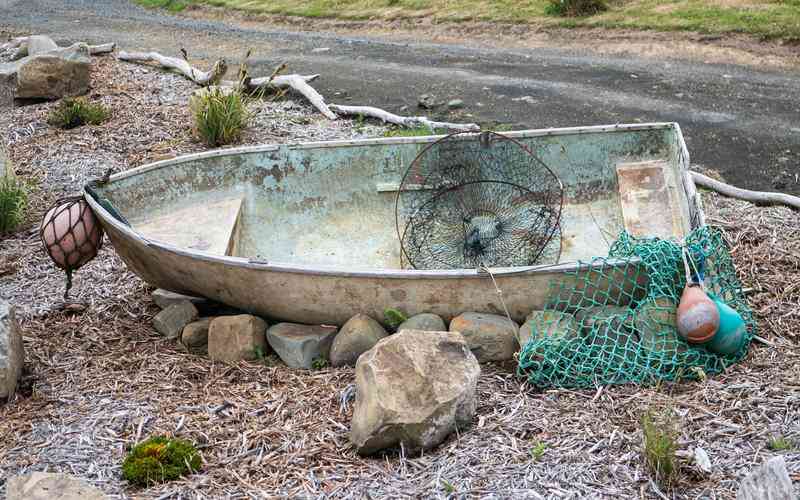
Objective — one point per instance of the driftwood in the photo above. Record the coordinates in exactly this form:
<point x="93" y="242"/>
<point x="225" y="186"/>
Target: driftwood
<point x="403" y="121"/>
<point x="203" y="78"/>
<point x="297" y="83"/>
<point x="757" y="197"/>
<point x="20" y="47"/>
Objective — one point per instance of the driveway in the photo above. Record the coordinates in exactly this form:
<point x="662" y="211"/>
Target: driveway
<point x="741" y="120"/>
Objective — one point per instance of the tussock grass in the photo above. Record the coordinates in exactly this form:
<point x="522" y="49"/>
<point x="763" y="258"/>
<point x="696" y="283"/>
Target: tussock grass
<point x="75" y="112"/>
<point x="220" y="116"/>
<point x="660" y="441"/>
<point x="13" y="202"/>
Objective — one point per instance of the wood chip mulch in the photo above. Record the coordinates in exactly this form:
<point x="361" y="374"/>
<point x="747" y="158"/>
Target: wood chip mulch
<point x="100" y="379"/>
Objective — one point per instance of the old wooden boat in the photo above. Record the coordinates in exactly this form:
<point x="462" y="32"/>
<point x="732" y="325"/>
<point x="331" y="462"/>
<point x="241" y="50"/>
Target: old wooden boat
<point x="306" y="232"/>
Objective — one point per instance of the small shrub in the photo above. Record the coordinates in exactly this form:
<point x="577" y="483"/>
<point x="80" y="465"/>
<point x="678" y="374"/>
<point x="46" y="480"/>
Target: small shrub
<point x="13" y="201"/>
<point x="74" y="112"/>
<point x="780" y="443"/>
<point x="160" y="459"/>
<point x="319" y="363"/>
<point x="219" y="115"/>
<point x="575" y="8"/>
<point x="660" y="437"/>
<point x="393" y="317"/>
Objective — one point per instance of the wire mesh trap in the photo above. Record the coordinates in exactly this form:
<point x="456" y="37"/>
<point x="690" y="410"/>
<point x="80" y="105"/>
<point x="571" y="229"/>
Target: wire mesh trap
<point x="465" y="203"/>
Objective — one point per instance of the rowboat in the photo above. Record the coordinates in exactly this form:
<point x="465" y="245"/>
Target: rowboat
<point x="307" y="232"/>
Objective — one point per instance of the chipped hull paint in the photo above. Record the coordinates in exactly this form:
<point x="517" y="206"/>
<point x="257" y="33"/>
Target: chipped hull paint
<point x="281" y="270"/>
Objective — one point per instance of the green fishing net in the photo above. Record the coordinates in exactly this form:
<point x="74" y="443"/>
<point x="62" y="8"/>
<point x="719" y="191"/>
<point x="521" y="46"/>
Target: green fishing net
<point x="612" y="321"/>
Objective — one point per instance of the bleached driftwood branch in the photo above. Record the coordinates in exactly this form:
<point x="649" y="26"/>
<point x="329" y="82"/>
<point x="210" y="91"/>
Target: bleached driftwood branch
<point x="203" y="78"/>
<point x="299" y="84"/>
<point x="757" y="197"/>
<point x="20" y="47"/>
<point x="403" y="121"/>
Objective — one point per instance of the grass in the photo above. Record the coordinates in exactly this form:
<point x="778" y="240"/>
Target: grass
<point x="13" y="201"/>
<point x="575" y="8"/>
<point x="660" y="435"/>
<point x="219" y="116"/>
<point x="75" y="112"/>
<point x="537" y="450"/>
<point x="780" y="443"/>
<point x="764" y="18"/>
<point x="170" y="5"/>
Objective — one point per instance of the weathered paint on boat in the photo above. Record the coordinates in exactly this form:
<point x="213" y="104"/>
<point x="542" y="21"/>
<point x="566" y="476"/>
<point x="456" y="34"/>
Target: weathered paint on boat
<point x="315" y="241"/>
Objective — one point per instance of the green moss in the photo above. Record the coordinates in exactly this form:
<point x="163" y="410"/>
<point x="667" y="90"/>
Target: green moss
<point x="160" y="459"/>
<point x="412" y="132"/>
<point x="393" y="317"/>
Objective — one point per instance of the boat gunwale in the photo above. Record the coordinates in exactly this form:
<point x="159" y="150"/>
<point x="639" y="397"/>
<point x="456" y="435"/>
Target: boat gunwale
<point x="282" y="267"/>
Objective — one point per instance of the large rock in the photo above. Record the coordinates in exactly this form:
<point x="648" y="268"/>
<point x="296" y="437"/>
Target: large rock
<point x="40" y="44"/>
<point x="49" y="75"/>
<point x="299" y="345"/>
<point x="426" y="321"/>
<point x="357" y="336"/>
<point x="50" y="486"/>
<point x="235" y="338"/>
<point x="771" y="481"/>
<point x="413" y="389"/>
<point x="195" y="336"/>
<point x="491" y="337"/>
<point x="11" y="351"/>
<point x="171" y="321"/>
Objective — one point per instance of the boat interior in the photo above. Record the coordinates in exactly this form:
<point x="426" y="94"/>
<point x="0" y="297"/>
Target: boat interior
<point x="332" y="205"/>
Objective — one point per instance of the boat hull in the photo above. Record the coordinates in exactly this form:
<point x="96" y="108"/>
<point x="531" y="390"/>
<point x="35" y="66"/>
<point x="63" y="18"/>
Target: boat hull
<point x="331" y="295"/>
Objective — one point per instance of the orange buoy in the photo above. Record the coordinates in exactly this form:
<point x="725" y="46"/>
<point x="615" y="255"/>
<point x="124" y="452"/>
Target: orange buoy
<point x="697" y="315"/>
<point x="71" y="235"/>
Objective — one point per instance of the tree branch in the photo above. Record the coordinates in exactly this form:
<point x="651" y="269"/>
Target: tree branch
<point x="757" y="197"/>
<point x="403" y="121"/>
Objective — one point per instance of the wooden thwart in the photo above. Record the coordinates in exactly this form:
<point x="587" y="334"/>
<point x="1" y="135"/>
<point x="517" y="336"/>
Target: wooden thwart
<point x="209" y="227"/>
<point x="651" y="205"/>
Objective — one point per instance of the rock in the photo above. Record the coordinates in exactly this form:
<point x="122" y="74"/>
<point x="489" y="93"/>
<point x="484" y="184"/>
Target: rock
<point x="414" y="389"/>
<point x="426" y="101"/>
<point x="50" y="486"/>
<point x="55" y="74"/>
<point x="11" y="350"/>
<point x="165" y="298"/>
<point x="656" y="325"/>
<point x="357" y="336"/>
<point x="234" y="338"/>
<point x="555" y="325"/>
<point x="171" y="321"/>
<point x="701" y="461"/>
<point x="299" y="345"/>
<point x="427" y="322"/>
<point x="455" y="104"/>
<point x="195" y="336"/>
<point x="39" y="44"/>
<point x="771" y="481"/>
<point x="490" y="337"/>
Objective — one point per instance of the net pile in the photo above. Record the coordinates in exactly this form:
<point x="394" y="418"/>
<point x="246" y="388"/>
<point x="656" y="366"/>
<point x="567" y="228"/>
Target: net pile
<point x="612" y="321"/>
<point x="469" y="201"/>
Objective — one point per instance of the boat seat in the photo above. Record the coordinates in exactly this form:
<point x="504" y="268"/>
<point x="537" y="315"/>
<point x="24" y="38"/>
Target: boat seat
<point x="211" y="227"/>
<point x="650" y="200"/>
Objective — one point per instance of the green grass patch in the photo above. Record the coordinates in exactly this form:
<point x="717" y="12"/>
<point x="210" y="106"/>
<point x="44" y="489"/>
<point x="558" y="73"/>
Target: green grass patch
<point x="780" y="443"/>
<point x="660" y="441"/>
<point x="765" y="18"/>
<point x="160" y="459"/>
<point x="13" y="202"/>
<point x="220" y="116"/>
<point x="170" y="5"/>
<point x="74" y="112"/>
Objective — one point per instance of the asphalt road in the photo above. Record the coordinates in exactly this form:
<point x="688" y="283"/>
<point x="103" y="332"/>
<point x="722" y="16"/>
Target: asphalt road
<point x="740" y="120"/>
